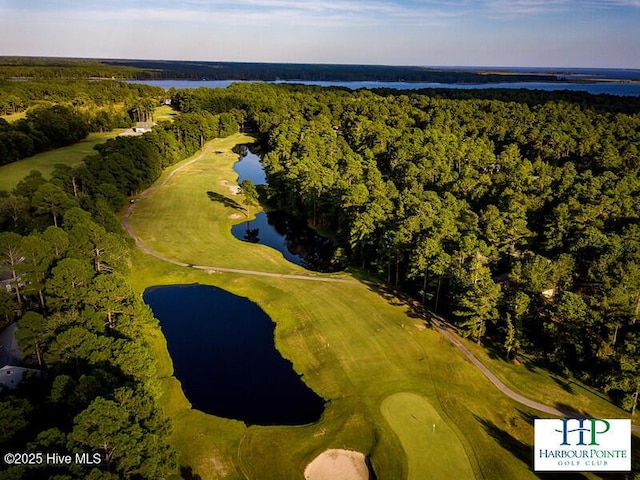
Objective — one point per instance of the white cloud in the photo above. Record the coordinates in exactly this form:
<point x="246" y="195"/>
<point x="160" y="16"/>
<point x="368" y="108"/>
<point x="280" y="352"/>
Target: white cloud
<point x="525" y="7"/>
<point x="511" y="8"/>
<point x="250" y="12"/>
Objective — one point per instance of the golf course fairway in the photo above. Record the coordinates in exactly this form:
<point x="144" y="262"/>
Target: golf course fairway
<point x="354" y="343"/>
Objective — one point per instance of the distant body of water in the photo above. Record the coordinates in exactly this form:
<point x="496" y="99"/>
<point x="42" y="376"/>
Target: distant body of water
<point x="621" y="88"/>
<point x="561" y="72"/>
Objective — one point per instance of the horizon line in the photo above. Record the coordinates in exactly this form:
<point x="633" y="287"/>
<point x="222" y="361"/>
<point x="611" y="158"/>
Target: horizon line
<point x="426" y="66"/>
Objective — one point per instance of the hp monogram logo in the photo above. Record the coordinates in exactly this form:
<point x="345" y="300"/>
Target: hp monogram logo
<point x="584" y="425"/>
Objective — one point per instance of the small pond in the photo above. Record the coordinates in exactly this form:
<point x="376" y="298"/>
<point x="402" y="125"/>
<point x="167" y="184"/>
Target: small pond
<point x="297" y="242"/>
<point x="292" y="237"/>
<point x="223" y="353"/>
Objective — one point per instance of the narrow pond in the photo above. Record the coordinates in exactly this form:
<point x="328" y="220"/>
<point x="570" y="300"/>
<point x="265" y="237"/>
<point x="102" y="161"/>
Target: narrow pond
<point x="292" y="237"/>
<point x="248" y="167"/>
<point x="223" y="353"/>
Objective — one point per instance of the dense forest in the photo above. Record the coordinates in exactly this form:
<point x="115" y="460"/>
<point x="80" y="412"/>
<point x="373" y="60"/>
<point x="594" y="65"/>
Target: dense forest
<point x="58" y="68"/>
<point x="51" y="68"/>
<point x="17" y="96"/>
<point x="517" y="220"/>
<point x="317" y="72"/>
<point x="80" y="323"/>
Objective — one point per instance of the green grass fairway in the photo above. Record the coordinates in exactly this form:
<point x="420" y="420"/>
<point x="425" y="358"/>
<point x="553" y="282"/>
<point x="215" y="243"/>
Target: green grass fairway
<point x="430" y="444"/>
<point x="356" y="346"/>
<point x="12" y="173"/>
<point x="164" y="112"/>
<point x="189" y="219"/>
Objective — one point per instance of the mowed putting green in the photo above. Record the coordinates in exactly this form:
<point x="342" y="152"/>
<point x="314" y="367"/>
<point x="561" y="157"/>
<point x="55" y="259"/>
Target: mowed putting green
<point x="72" y="155"/>
<point x="428" y="441"/>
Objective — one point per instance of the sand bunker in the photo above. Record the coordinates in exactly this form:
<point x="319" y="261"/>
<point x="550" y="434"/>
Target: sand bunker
<point x="337" y="464"/>
<point x="232" y="188"/>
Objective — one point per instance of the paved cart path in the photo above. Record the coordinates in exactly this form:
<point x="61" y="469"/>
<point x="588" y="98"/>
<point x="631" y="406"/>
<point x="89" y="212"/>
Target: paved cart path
<point x="504" y="388"/>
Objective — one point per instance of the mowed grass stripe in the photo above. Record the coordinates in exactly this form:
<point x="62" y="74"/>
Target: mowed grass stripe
<point x="428" y="440"/>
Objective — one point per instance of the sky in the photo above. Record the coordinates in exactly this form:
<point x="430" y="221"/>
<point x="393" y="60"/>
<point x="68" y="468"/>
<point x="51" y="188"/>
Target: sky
<point x="534" y="33"/>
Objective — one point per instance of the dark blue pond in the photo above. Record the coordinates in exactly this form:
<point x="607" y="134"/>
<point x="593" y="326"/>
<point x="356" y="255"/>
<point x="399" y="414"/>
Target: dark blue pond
<point x="292" y="237"/>
<point x="223" y="353"/>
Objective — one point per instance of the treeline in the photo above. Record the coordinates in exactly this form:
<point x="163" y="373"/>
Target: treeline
<point x="43" y="129"/>
<point x="520" y="221"/>
<point x="62" y="68"/>
<point x="67" y="114"/>
<point x="80" y="323"/>
<point x="602" y="102"/>
<point x="316" y="72"/>
<point x="82" y="327"/>
<point x="121" y="166"/>
<point x="124" y="166"/>
<point x="17" y="96"/>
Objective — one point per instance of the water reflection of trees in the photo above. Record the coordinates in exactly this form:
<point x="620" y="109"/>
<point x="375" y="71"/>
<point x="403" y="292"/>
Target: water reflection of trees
<point x="316" y="252"/>
<point x="241" y="149"/>
<point x="251" y="234"/>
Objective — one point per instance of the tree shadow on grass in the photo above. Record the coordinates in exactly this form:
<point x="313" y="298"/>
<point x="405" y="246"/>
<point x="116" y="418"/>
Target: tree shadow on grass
<point x="527" y="416"/>
<point x="392" y="297"/>
<point x="571" y="411"/>
<point x="226" y="201"/>
<point x="414" y="309"/>
<point x="495" y="351"/>
<point x="187" y="473"/>
<point x="566" y="386"/>
<point x="521" y="450"/>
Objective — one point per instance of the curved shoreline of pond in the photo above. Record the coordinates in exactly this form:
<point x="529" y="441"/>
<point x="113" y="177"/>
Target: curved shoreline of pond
<point x="291" y="236"/>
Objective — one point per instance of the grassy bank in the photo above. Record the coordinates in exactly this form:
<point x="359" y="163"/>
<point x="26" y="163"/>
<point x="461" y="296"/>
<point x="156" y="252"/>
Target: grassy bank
<point x="360" y="349"/>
